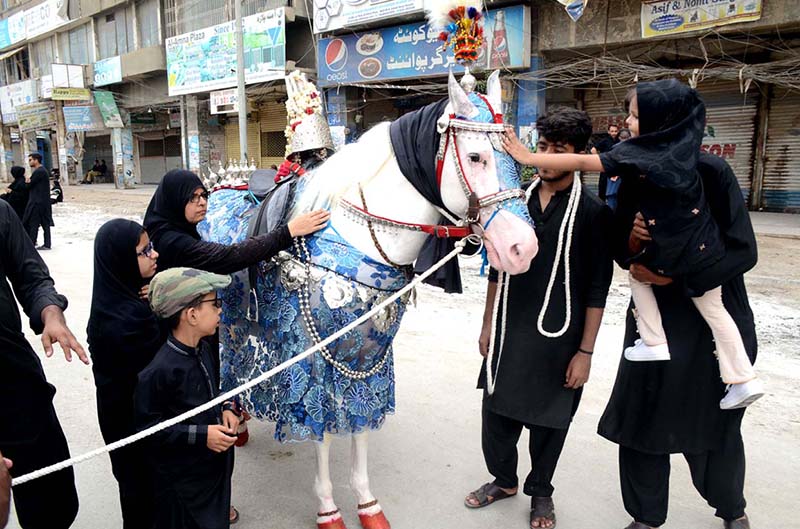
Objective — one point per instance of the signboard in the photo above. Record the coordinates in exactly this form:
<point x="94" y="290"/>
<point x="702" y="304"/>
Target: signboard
<point x="108" y="109"/>
<point x="414" y="50"/>
<point x="574" y="8"/>
<point x="336" y="110"/>
<point x="336" y="14"/>
<point x="194" y="152"/>
<point x="68" y="75"/>
<point x="108" y="71"/>
<point x="14" y="95"/>
<point x="36" y="116"/>
<point x="143" y="119"/>
<point x="661" y="17"/>
<point x="175" y="120"/>
<point x="70" y="94"/>
<point x="224" y="101"/>
<point x="128" y="178"/>
<point x="205" y="60"/>
<point x="46" y="16"/>
<point x="46" y="86"/>
<point x="83" y="118"/>
<point x="12" y="29"/>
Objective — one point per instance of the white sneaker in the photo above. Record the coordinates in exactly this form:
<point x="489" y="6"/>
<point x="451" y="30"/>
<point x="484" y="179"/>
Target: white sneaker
<point x="641" y="352"/>
<point x="742" y="395"/>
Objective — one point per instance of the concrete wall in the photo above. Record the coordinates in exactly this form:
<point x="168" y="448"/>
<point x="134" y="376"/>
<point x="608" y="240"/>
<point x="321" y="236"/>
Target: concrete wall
<point x="619" y="22"/>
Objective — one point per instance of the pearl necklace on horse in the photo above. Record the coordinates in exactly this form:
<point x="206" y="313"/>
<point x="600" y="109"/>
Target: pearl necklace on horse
<point x="568" y="227"/>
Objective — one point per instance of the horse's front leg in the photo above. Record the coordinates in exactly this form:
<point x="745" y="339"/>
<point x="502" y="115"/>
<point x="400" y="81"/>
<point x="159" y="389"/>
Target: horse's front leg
<point x="369" y="510"/>
<point x="328" y="516"/>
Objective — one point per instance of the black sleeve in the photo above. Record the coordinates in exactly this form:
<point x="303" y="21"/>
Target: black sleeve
<point x="227" y="259"/>
<point x="602" y="185"/>
<point x="622" y="222"/>
<point x="37" y="178"/>
<point x="153" y="391"/>
<point x="601" y="264"/>
<point x="30" y="279"/>
<point x="727" y="205"/>
<point x="616" y="163"/>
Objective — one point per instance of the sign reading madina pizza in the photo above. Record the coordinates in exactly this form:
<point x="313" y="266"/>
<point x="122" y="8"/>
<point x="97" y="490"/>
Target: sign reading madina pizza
<point x="660" y="17"/>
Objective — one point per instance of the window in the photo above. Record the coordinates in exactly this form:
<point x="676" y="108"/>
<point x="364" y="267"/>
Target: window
<point x="252" y="7"/>
<point x="73" y="46"/>
<point x="273" y="145"/>
<point x="16" y="68"/>
<point x="43" y="55"/>
<point x="115" y="33"/>
<point x="147" y="17"/>
<point x="183" y="16"/>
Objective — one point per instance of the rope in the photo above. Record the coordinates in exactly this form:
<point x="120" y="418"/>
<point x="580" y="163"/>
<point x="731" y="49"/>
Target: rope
<point x="567" y="224"/>
<point x="569" y="219"/>
<point x="252" y="383"/>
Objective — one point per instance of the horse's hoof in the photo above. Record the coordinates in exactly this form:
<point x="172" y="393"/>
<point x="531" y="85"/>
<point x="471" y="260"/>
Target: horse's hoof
<point x="374" y="521"/>
<point x="336" y="523"/>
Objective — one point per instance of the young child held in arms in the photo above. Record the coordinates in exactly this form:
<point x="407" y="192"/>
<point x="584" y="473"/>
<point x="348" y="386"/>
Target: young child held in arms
<point x="193" y="460"/>
<point x="667" y="123"/>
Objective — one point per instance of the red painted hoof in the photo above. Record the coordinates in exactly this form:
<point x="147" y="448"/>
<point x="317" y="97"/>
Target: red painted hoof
<point x="338" y="523"/>
<point x="374" y="521"/>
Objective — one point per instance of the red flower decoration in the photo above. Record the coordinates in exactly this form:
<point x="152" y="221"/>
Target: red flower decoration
<point x="309" y="111"/>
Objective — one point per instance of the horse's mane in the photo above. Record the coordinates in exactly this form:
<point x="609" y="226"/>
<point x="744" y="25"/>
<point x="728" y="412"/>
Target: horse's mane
<point x="355" y="163"/>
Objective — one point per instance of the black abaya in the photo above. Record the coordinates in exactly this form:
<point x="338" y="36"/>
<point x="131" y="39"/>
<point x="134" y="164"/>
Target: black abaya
<point x="673" y="407"/>
<point x="17" y="197"/>
<point x="123" y="335"/>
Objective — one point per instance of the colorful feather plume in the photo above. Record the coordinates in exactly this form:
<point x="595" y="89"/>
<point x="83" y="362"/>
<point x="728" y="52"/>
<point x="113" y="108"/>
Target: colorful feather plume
<point x="461" y="26"/>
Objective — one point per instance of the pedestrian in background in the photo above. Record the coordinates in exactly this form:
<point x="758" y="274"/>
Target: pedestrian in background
<point x="38" y="212"/>
<point x="17" y="193"/>
<point x="124" y="335"/>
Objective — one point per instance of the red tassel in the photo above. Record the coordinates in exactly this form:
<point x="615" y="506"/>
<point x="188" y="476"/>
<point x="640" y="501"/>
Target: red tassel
<point x="443" y="36"/>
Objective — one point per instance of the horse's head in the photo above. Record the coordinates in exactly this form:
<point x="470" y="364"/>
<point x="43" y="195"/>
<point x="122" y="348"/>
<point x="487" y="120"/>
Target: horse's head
<point x="472" y="163"/>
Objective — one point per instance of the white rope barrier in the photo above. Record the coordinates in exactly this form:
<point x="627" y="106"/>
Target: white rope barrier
<point x="256" y="381"/>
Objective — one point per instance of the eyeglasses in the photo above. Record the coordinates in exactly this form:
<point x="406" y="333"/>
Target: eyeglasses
<point x="147" y="251"/>
<point x="216" y="301"/>
<point x="196" y="198"/>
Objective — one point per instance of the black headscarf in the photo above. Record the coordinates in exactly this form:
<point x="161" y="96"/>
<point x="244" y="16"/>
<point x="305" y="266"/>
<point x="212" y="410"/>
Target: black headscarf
<point x="672" y="120"/>
<point x="19" y="178"/>
<point x="415" y="140"/>
<point x="123" y="333"/>
<point x="167" y="207"/>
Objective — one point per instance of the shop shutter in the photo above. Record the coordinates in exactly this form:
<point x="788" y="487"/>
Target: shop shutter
<point x="273" y="140"/>
<point x="781" y="191"/>
<point x="604" y="107"/>
<point x="232" y="140"/>
<point x="730" y="128"/>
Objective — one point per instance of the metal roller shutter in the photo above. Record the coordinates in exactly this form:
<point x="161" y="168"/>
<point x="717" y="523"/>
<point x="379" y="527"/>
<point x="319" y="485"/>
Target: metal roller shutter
<point x="253" y="140"/>
<point x="730" y="128"/>
<point x="606" y="107"/>
<point x="273" y="140"/>
<point x="781" y="189"/>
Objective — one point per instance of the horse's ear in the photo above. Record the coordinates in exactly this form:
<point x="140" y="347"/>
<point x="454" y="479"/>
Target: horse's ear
<point x="494" y="92"/>
<point x="459" y="100"/>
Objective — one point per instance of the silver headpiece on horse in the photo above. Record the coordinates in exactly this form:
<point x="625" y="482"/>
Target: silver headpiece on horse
<point x="307" y="129"/>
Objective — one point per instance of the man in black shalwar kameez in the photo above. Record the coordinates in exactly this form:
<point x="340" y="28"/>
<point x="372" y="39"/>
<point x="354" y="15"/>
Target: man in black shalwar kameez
<point x="539" y="379"/>
<point x="30" y="434"/>
<point x="39" y="211"/>
<point x="662" y="408"/>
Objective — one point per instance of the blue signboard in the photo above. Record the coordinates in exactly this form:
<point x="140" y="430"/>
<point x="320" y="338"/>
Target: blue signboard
<point x="83" y="118"/>
<point x="108" y="71"/>
<point x="414" y="50"/>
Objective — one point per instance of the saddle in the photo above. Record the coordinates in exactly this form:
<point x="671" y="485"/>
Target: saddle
<point x="272" y="197"/>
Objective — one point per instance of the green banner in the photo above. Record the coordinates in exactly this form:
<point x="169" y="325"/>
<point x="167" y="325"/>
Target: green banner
<point x="108" y="109"/>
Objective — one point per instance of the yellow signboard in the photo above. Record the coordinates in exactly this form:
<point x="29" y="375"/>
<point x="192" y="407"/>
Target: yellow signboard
<point x="71" y="94"/>
<point x="668" y="17"/>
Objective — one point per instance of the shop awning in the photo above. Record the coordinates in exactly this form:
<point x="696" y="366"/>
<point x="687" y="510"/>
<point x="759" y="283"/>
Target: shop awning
<point x="8" y="54"/>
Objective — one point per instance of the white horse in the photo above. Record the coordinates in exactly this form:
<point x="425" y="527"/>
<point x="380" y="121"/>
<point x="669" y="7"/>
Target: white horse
<point x="380" y="219"/>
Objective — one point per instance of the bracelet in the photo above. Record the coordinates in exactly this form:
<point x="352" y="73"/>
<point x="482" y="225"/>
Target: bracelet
<point x="584" y="351"/>
<point x="232" y="407"/>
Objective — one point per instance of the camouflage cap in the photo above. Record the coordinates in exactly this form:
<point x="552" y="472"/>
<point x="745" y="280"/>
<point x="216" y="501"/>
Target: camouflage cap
<point x="173" y="290"/>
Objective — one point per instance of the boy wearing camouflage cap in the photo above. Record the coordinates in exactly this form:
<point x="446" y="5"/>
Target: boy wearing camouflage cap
<point x="193" y="459"/>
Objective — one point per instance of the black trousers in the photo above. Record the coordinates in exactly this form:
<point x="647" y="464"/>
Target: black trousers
<point x="32" y="227"/>
<point x="131" y="465"/>
<point x="718" y="475"/>
<point x="50" y="502"/>
<point x="499" y="439"/>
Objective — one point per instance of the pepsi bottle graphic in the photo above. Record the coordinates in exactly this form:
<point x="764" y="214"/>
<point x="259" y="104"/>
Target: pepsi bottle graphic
<point x="499" y="56"/>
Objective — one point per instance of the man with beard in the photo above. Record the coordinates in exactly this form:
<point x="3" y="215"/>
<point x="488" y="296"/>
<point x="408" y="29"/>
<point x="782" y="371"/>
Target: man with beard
<point x="605" y="145"/>
<point x="38" y="212"/>
<point x="537" y="360"/>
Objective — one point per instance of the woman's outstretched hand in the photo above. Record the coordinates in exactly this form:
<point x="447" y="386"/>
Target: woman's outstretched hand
<point x="308" y="223"/>
<point x="515" y="148"/>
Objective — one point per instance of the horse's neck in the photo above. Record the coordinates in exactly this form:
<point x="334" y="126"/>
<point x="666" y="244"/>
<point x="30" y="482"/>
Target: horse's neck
<point x="388" y="195"/>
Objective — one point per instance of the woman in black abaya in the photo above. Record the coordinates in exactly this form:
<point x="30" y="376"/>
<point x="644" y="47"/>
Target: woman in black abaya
<point x="123" y="335"/>
<point x="17" y="194"/>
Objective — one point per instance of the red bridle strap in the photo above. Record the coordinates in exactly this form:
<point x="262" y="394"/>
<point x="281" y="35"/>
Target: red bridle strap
<point x="437" y="230"/>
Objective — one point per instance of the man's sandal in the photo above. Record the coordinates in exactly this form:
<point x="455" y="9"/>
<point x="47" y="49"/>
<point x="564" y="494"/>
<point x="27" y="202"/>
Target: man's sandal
<point x="542" y="507"/>
<point x="486" y="495"/>
<point x="235" y="518"/>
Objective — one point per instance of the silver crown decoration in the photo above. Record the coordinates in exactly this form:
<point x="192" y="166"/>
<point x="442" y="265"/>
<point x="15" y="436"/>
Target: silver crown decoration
<point x="237" y="173"/>
<point x="307" y="128"/>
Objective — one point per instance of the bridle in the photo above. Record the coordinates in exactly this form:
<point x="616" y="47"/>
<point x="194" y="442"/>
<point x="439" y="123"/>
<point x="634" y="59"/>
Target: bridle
<point x="472" y="220"/>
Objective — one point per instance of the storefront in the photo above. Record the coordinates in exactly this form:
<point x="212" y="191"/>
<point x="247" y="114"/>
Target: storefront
<point x="781" y="182"/>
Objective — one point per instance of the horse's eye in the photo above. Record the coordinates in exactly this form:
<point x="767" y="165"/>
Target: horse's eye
<point x="474" y="157"/>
